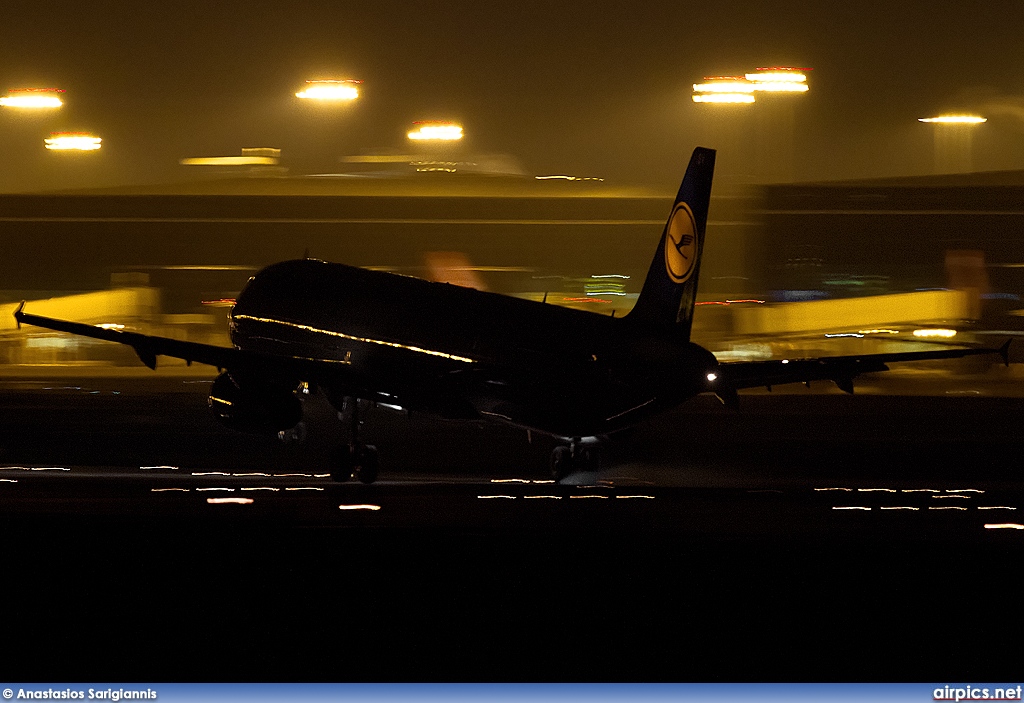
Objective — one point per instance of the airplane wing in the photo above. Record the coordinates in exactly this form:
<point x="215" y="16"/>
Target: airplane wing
<point x="839" y="369"/>
<point x="148" y="347"/>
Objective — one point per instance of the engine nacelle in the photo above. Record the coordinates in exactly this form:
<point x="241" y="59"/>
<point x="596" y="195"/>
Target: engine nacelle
<point x="253" y="405"/>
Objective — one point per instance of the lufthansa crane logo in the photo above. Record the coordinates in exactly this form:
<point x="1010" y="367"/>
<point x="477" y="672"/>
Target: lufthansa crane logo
<point x="681" y="244"/>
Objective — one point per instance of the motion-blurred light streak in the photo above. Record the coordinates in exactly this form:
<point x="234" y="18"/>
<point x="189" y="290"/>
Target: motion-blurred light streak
<point x="954" y="119"/>
<point x="33" y="99"/>
<point x="330" y="90"/>
<point x="73" y="141"/>
<point x="436" y="131"/>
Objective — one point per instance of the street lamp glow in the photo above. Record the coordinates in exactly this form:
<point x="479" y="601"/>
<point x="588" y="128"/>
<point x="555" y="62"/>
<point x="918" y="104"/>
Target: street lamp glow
<point x="954" y="119"/>
<point x="330" y="90"/>
<point x="724" y="98"/>
<point x="436" y="131"/>
<point x="72" y="141"/>
<point x="32" y="99"/>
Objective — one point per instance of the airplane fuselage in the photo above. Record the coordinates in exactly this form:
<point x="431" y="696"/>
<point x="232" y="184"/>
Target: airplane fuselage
<point x="462" y="353"/>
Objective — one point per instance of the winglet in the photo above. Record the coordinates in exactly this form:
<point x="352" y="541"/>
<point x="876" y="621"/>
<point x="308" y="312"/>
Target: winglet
<point x="17" y="314"/>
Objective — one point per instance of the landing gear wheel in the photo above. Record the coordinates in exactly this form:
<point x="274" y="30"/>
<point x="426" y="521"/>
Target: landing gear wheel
<point x="366" y="464"/>
<point x="561" y="463"/>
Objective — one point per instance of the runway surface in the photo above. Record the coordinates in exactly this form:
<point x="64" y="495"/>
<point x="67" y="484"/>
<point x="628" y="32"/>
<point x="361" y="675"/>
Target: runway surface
<point x="807" y="536"/>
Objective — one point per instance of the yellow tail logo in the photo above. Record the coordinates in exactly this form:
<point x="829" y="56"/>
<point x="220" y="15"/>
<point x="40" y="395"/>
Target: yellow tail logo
<point x="681" y="244"/>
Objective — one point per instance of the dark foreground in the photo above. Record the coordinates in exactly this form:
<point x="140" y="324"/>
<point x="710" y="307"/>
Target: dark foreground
<point x="708" y="548"/>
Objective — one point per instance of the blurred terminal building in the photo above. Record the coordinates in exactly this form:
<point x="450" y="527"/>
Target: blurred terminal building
<point x="787" y="269"/>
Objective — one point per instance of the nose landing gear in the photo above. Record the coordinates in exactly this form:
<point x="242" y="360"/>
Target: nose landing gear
<point x="575" y="457"/>
<point x="355" y="458"/>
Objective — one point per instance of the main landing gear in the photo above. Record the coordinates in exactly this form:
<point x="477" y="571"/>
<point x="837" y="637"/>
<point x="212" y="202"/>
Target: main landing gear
<point x="577" y="456"/>
<point x="355" y="458"/>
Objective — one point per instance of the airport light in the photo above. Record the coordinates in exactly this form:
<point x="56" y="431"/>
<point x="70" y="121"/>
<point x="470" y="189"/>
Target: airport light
<point x="779" y="80"/>
<point x="741" y="89"/>
<point x="330" y="90"/>
<point x="724" y="98"/>
<point x="954" y="119"/>
<point x="436" y="131"/>
<point x="72" y="141"/>
<point x="33" y="99"/>
<point x="735" y="90"/>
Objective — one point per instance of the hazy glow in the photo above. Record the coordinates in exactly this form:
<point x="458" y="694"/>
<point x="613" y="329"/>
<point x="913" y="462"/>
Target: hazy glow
<point x="724" y="98"/>
<point x="935" y="333"/>
<point x="329" y="90"/>
<point x="72" y="142"/>
<point x="955" y="119"/>
<point x="436" y="131"/>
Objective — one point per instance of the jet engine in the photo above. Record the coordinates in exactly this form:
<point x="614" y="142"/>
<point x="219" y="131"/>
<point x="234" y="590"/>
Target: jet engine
<point x="254" y="405"/>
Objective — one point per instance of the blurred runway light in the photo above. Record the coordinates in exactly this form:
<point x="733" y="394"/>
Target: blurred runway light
<point x="1004" y="526"/>
<point x="362" y="506"/>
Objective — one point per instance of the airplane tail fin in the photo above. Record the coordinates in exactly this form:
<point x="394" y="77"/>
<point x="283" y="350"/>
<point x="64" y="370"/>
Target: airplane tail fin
<point x="670" y="289"/>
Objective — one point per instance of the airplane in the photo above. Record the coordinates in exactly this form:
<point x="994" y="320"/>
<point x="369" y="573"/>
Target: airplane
<point x="363" y="336"/>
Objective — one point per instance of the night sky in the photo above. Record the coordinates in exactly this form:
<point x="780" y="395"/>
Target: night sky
<point x="589" y="88"/>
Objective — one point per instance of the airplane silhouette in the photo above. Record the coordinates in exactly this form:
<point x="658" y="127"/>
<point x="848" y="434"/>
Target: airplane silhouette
<point x="452" y="352"/>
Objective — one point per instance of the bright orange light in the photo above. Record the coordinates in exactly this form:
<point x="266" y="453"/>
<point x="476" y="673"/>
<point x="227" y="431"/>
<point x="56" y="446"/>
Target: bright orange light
<point x="436" y="131"/>
<point x="954" y="119"/>
<point x="32" y="98"/>
<point x="72" y="141"/>
<point x="724" y="98"/>
<point x="330" y="90"/>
